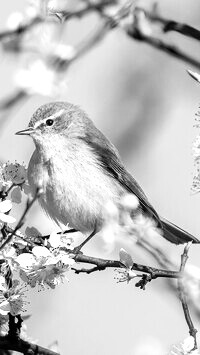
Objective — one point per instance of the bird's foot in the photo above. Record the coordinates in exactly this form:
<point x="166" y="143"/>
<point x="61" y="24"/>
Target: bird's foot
<point x="80" y="246"/>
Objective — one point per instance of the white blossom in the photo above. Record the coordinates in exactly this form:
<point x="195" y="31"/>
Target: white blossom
<point x="5" y="206"/>
<point x="60" y="240"/>
<point x="43" y="267"/>
<point x="185" y="348"/>
<point x="38" y="78"/>
<point x="11" y="298"/>
<point x="14" y="20"/>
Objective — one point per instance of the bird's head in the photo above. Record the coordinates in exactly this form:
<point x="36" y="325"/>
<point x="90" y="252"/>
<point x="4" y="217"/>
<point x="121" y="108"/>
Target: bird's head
<point x="56" y="119"/>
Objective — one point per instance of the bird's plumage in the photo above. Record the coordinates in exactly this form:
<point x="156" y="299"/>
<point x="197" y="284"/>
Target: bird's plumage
<point x="80" y="171"/>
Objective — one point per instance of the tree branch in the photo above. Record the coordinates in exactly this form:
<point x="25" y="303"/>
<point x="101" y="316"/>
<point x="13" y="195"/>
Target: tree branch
<point x="102" y="264"/>
<point x="182" y="295"/>
<point x="24" y="347"/>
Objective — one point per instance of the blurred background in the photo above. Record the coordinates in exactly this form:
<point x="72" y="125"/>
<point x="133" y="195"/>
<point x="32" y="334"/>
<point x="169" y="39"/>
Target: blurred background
<point x="145" y="102"/>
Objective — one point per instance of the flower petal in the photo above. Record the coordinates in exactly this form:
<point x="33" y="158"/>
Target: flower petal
<point x="32" y="232"/>
<point x="5" y="206"/>
<point x="41" y="252"/>
<point x="66" y="260"/>
<point x="16" y="195"/>
<point x="54" y="240"/>
<point x="25" y="260"/>
<point x="6" y="218"/>
<point x="4" y="307"/>
<point x="125" y="258"/>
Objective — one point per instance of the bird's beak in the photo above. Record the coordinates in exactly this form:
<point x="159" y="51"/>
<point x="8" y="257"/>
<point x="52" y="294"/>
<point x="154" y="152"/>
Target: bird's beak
<point x="25" y="132"/>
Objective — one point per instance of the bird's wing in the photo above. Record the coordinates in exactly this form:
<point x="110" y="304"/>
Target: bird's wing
<point x="110" y="161"/>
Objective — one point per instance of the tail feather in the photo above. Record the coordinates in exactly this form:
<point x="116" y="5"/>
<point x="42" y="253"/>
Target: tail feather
<point x="175" y="234"/>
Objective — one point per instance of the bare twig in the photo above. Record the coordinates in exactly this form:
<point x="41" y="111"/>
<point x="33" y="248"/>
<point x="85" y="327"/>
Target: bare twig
<point x="21" y="221"/>
<point x="182" y="295"/>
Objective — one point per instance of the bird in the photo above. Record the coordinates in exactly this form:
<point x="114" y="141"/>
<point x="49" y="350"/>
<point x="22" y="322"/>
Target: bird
<point x="80" y="171"/>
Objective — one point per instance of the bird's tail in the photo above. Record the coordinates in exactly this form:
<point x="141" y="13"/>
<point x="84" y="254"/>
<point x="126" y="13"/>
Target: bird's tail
<point x="175" y="234"/>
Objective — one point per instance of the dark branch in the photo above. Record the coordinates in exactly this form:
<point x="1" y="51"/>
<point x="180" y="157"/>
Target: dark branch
<point x="102" y="264"/>
<point x="24" y="347"/>
<point x="171" y="25"/>
<point x="15" y="323"/>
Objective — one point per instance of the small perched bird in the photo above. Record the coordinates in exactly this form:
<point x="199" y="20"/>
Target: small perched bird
<point x="80" y="171"/>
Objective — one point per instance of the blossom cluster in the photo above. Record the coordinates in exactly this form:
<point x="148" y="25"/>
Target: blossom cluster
<point x="185" y="348"/>
<point x="28" y="260"/>
<point x="196" y="145"/>
<point x="196" y="155"/>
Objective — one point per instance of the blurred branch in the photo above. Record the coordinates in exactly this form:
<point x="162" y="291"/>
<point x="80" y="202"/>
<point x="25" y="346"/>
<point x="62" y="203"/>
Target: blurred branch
<point x="12" y="100"/>
<point x="140" y="30"/>
<point x="182" y="295"/>
<point x="58" y="63"/>
<point x="87" y="43"/>
<point x="21" y="29"/>
<point x="171" y="25"/>
<point x="89" y="7"/>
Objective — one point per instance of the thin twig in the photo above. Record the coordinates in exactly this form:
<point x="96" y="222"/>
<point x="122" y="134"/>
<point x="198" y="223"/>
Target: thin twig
<point x="182" y="295"/>
<point x="21" y="221"/>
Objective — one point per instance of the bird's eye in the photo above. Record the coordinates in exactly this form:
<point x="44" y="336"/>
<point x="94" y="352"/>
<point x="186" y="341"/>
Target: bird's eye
<point x="49" y="122"/>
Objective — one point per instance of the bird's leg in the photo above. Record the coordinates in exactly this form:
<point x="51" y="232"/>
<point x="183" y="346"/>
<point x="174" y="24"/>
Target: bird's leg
<point x="79" y="247"/>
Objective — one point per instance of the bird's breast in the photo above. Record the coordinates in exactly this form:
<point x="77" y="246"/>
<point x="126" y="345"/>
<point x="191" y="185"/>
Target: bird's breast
<point x="76" y="188"/>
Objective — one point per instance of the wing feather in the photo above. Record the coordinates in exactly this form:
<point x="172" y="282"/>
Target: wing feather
<point x="110" y="161"/>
